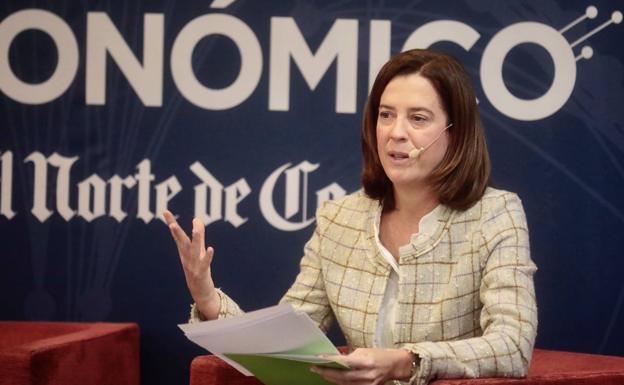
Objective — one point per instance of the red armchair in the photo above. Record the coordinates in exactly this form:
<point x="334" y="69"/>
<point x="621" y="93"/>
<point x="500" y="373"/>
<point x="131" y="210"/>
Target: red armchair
<point x="547" y="368"/>
<point x="64" y="353"/>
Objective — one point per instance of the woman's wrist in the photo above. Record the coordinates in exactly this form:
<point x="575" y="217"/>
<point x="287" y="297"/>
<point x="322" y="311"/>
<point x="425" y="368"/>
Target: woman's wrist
<point x="408" y="365"/>
<point x="209" y="307"/>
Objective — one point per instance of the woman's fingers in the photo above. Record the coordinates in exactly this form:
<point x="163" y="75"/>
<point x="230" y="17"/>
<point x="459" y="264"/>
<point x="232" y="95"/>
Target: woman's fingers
<point x="192" y="251"/>
<point x="209" y="255"/>
<point x="335" y="357"/>
<point x="176" y="231"/>
<point x="198" y="233"/>
<point x="197" y="240"/>
<point x="364" y="368"/>
<point x="340" y="376"/>
<point x="353" y="360"/>
<point x="179" y="236"/>
<point x="169" y="218"/>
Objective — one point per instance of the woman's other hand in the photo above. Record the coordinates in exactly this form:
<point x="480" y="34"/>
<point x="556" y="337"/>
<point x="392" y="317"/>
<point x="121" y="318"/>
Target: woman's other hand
<point x="196" y="259"/>
<point x="370" y="366"/>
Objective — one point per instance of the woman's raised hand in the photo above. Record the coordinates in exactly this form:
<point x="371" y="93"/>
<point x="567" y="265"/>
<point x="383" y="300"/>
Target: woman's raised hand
<point x="196" y="259"/>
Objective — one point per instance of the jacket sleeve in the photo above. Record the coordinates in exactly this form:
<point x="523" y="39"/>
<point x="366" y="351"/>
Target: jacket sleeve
<point x="228" y="308"/>
<point x="307" y="293"/>
<point x="508" y="316"/>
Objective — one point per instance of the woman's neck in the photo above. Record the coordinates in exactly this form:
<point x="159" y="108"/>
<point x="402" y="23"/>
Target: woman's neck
<point x="413" y="204"/>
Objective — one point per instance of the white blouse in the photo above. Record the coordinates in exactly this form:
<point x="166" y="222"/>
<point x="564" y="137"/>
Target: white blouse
<point x="384" y="336"/>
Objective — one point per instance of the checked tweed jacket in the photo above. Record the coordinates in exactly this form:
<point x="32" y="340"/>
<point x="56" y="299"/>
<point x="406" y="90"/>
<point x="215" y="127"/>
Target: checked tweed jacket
<point x="466" y="297"/>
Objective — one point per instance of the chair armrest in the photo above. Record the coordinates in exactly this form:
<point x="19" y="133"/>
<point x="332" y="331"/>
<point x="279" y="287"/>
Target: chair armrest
<point x="551" y="367"/>
<point x="211" y="370"/>
<point x="95" y="353"/>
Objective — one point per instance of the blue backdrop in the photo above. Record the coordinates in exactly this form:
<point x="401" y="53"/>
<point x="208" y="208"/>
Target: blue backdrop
<point x="247" y="114"/>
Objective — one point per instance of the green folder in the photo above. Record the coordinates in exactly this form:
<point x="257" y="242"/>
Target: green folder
<point x="284" y="369"/>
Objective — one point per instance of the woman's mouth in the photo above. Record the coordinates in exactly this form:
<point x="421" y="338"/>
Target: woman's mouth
<point x="397" y="155"/>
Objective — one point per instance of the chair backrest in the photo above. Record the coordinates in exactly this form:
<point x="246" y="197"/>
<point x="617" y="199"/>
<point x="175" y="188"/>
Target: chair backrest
<point x="18" y="333"/>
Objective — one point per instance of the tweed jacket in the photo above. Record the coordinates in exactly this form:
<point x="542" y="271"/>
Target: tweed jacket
<point x="466" y="300"/>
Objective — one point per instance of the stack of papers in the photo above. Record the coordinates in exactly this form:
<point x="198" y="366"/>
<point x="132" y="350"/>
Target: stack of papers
<point x="275" y="344"/>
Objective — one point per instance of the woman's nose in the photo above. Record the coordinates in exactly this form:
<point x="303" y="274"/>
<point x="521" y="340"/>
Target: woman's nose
<point x="399" y="129"/>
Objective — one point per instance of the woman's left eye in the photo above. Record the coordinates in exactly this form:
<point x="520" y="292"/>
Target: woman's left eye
<point x="418" y="118"/>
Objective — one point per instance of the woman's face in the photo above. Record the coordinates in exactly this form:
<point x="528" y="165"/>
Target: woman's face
<point x="410" y="116"/>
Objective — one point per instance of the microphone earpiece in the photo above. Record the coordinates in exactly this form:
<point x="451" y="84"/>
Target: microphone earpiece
<point x="415" y="153"/>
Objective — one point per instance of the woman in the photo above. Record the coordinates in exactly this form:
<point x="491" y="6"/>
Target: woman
<point x="427" y="270"/>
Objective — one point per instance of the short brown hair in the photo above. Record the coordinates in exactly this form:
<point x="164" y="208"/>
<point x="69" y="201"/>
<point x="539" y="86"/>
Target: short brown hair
<point x="463" y="174"/>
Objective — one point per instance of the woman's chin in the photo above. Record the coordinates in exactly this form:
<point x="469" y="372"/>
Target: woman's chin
<point x="406" y="181"/>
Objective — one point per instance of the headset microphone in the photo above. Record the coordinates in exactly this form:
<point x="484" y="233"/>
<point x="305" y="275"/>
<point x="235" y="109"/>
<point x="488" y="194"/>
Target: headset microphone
<point x="415" y="153"/>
